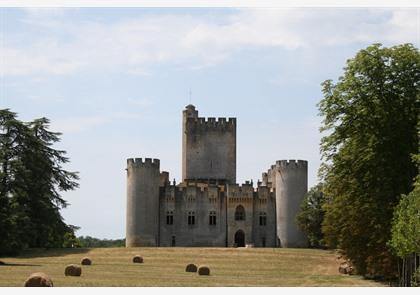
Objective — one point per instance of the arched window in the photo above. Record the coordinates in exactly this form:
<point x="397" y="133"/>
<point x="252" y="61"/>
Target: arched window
<point x="240" y="213"/>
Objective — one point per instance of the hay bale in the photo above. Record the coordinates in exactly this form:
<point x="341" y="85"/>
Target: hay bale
<point x="38" y="279"/>
<point x="345" y="268"/>
<point x="73" y="270"/>
<point x="204" y="271"/>
<point x="191" y="268"/>
<point x="137" y="259"/>
<point x="86" y="261"/>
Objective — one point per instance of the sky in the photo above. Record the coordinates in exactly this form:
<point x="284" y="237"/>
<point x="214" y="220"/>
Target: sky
<point x="114" y="81"/>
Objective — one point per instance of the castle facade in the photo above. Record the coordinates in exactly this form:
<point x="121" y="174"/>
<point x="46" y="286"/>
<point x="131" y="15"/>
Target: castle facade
<point x="208" y="208"/>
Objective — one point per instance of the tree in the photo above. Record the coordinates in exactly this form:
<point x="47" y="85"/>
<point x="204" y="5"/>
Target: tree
<point x="370" y="116"/>
<point x="91" y="242"/>
<point x="311" y="215"/>
<point x="405" y="239"/>
<point x="70" y="240"/>
<point x="11" y="131"/>
<point x="32" y="178"/>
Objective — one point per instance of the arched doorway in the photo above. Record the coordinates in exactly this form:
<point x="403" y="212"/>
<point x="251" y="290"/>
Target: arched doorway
<point x="240" y="238"/>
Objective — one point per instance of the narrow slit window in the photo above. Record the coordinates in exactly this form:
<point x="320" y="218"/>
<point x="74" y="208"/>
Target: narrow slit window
<point x="263" y="219"/>
<point x="170" y="217"/>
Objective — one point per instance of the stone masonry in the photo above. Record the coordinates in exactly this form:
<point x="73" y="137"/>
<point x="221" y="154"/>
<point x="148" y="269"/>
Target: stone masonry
<point x="208" y="208"/>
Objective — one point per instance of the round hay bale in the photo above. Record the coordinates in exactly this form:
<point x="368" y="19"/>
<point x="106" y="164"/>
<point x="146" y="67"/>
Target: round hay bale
<point x="191" y="268"/>
<point x="73" y="270"/>
<point x="38" y="279"/>
<point x="342" y="268"/>
<point x="86" y="261"/>
<point x="137" y="259"/>
<point x="345" y="268"/>
<point x="204" y="271"/>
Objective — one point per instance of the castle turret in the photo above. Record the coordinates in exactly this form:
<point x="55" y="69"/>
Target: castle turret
<point x="208" y="147"/>
<point x="291" y="183"/>
<point x="143" y="178"/>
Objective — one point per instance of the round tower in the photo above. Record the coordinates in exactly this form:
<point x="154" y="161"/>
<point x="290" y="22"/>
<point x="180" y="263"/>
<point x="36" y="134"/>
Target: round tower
<point x="291" y="182"/>
<point x="142" y="228"/>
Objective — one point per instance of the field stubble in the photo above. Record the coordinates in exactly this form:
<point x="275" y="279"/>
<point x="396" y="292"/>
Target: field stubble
<point x="165" y="267"/>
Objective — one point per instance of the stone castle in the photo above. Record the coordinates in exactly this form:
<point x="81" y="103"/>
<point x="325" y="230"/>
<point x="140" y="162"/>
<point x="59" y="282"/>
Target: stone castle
<point x="208" y="208"/>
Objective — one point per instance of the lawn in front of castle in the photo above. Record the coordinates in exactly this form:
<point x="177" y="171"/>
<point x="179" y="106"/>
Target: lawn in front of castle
<point x="165" y="267"/>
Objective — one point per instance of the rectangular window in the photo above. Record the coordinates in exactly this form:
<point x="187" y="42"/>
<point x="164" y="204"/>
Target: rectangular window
<point x="170" y="217"/>
<point x="212" y="218"/>
<point x="263" y="219"/>
<point x="191" y="218"/>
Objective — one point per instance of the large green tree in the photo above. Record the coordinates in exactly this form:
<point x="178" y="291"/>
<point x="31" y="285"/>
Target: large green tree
<point x="406" y="233"/>
<point x="31" y="180"/>
<point x="311" y="215"/>
<point x="369" y="117"/>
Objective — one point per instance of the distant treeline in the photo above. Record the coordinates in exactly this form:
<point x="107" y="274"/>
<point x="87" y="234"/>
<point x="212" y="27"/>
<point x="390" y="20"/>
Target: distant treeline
<point x="91" y="242"/>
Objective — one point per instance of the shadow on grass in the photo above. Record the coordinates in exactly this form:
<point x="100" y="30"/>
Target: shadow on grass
<point x="17" y="264"/>
<point x="40" y="252"/>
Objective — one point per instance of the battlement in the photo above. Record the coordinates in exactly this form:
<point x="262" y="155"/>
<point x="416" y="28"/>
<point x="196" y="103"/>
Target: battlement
<point x="213" y="123"/>
<point x="138" y="162"/>
<point x="292" y="163"/>
<point x="245" y="187"/>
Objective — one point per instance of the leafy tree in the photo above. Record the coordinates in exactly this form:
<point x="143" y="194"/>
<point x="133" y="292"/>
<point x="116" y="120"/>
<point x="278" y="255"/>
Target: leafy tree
<point x="32" y="179"/>
<point x="70" y="240"/>
<point x="370" y="116"/>
<point x="311" y="215"/>
<point x="11" y="139"/>
<point x="406" y="233"/>
<point x="90" y="242"/>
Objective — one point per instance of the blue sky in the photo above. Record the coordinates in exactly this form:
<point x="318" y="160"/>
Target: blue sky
<point x="114" y="81"/>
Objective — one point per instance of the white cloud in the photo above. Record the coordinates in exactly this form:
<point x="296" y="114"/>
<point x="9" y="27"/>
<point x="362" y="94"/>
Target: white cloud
<point x="132" y="45"/>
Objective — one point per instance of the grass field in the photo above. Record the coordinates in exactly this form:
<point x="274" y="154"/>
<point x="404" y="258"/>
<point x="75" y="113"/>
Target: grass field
<point x="166" y="267"/>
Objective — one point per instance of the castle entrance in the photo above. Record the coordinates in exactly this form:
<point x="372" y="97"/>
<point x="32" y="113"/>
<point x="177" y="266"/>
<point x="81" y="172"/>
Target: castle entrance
<point x="240" y="238"/>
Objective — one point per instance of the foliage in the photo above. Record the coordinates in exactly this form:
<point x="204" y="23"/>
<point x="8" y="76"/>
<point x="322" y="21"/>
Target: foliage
<point x="405" y="239"/>
<point x="311" y="215"/>
<point x="70" y="240"/>
<point x="370" y="116"/>
<point x="90" y="242"/>
<point x="31" y="178"/>
<point x="406" y="224"/>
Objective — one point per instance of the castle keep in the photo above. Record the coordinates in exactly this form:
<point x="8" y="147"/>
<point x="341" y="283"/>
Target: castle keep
<point x="208" y="208"/>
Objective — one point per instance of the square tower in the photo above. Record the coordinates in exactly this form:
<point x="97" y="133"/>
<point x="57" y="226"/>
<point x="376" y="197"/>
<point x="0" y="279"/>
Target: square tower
<point x="208" y="147"/>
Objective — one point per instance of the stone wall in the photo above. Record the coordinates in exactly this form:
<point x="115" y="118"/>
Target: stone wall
<point x="142" y="225"/>
<point x="199" y="199"/>
<point x="208" y="147"/>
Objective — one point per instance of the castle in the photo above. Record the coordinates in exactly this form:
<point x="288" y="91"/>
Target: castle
<point x="208" y="208"/>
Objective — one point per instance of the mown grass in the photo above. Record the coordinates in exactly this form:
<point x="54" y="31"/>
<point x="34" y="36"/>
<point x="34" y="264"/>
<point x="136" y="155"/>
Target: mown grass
<point x="165" y="267"/>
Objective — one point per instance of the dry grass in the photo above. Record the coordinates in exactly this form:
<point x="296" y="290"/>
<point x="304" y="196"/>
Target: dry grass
<point x="166" y="267"/>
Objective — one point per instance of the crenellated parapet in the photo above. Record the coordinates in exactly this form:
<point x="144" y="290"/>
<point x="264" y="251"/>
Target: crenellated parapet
<point x="208" y="124"/>
<point x="291" y="164"/>
<point x="208" y="147"/>
<point x="238" y="193"/>
<point x="138" y="162"/>
<point x="143" y="188"/>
